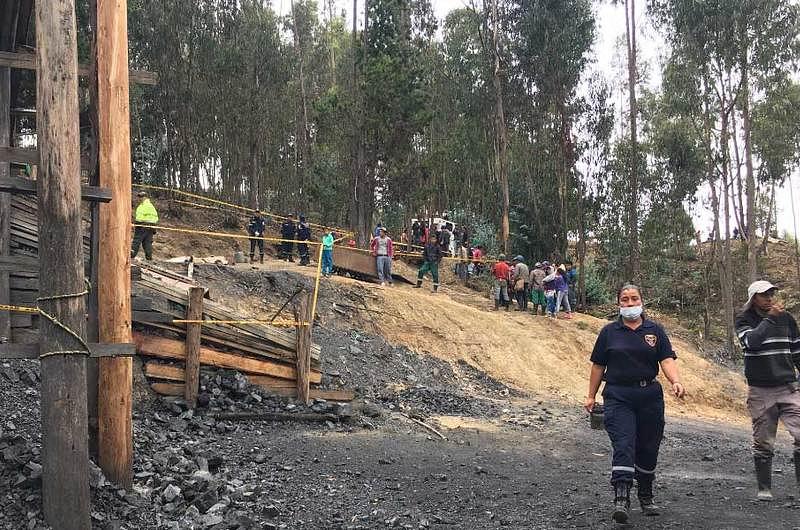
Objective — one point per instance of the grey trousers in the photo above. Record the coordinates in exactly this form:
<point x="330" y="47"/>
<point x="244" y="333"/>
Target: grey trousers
<point x="766" y="406"/>
<point x="384" y="264"/>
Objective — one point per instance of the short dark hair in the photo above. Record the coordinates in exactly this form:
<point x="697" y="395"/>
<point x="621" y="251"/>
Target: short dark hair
<point x="626" y="287"/>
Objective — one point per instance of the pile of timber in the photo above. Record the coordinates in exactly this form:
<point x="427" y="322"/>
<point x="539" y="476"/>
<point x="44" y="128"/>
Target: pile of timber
<point x="265" y="355"/>
<point x="22" y="264"/>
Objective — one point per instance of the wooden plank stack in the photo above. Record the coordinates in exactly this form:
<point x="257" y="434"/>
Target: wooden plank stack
<point x="265" y="355"/>
<point x="23" y="265"/>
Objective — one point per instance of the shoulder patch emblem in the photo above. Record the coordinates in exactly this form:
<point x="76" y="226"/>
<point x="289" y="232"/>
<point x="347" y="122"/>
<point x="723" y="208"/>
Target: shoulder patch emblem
<point x="651" y="340"/>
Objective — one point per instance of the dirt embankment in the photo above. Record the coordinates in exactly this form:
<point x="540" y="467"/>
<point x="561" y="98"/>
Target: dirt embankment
<point x="533" y="354"/>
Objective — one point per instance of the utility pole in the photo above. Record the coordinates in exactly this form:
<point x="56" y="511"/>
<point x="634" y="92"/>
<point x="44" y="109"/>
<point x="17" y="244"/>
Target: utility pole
<point x="65" y="439"/>
<point x="115" y="382"/>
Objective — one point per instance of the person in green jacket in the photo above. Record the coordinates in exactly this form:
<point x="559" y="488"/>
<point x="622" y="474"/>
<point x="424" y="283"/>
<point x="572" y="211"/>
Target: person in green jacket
<point x="146" y="214"/>
<point x="327" y="254"/>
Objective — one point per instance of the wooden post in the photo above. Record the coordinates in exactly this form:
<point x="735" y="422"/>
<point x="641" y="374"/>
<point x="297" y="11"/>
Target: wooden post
<point x="302" y="314"/>
<point x="193" y="312"/>
<point x="65" y="455"/>
<point x="115" y="434"/>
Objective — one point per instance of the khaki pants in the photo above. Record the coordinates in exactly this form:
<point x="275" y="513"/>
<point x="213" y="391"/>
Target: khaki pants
<point x="767" y="405"/>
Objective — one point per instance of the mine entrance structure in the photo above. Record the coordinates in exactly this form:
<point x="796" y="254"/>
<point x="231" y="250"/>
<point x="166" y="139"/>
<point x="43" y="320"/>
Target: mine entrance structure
<point x="50" y="271"/>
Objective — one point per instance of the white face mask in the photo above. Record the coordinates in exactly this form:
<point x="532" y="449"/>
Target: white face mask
<point x="631" y="313"/>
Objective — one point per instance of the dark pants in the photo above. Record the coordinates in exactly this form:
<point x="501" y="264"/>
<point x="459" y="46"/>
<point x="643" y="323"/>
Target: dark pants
<point x="634" y="420"/>
<point x="433" y="268"/>
<point x="302" y="249"/>
<point x="143" y="237"/>
<point x="286" y="250"/>
<point x="256" y="242"/>
<point x="522" y="298"/>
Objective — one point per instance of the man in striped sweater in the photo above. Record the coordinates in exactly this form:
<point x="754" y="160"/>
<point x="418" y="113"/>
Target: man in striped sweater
<point x="771" y="343"/>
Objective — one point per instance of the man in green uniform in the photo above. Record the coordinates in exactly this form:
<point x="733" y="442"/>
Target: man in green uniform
<point x="146" y="214"/>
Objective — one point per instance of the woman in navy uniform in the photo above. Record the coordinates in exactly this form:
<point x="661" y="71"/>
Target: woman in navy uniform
<point x="626" y="356"/>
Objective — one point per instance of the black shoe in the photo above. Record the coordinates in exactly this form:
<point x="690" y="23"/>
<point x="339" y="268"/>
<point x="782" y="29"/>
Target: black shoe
<point x="622" y="502"/>
<point x="649" y="508"/>
<point x="419" y="284"/>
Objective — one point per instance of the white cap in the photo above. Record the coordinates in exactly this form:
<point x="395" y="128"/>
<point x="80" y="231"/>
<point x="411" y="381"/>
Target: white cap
<point x="757" y="287"/>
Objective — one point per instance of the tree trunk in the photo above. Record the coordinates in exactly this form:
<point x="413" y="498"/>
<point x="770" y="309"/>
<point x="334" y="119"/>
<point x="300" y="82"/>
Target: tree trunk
<point x="501" y="132"/>
<point x="726" y="269"/>
<point x="752" y="250"/>
<point x="634" y="265"/>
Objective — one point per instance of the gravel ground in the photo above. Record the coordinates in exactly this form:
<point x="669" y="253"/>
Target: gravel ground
<point x="534" y="465"/>
<point x="516" y="461"/>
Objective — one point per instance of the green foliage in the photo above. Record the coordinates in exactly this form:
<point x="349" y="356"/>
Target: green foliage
<point x="597" y="291"/>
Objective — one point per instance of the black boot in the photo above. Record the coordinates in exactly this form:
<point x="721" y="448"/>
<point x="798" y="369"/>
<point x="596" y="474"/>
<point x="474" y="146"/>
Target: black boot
<point x="764" y="477"/>
<point x="419" y="284"/>
<point x="435" y="287"/>
<point x="261" y="259"/>
<point x="644" y="490"/>
<point x="622" y="502"/>
<point x="797" y="467"/>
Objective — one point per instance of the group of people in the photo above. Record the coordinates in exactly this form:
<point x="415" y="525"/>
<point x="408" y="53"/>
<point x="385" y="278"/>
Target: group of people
<point x="627" y="356"/>
<point x="546" y="285"/>
<point x="290" y="233"/>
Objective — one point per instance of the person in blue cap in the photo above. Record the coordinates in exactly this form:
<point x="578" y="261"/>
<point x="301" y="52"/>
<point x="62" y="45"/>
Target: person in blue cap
<point x="627" y="356"/>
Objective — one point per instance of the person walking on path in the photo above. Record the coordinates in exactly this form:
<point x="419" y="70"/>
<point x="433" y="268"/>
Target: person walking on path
<point x="288" y="231"/>
<point x="520" y="277"/>
<point x="303" y="234"/>
<point x="146" y="214"/>
<point x="383" y="250"/>
<point x="327" y="254"/>
<point x="627" y="356"/>
<point x="255" y="229"/>
<point x="432" y="256"/>
<point x="771" y="342"/>
<point x="501" y="272"/>
<point x="537" y="289"/>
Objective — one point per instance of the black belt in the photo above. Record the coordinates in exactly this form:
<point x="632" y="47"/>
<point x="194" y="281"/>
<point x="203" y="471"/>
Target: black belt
<point x="641" y="383"/>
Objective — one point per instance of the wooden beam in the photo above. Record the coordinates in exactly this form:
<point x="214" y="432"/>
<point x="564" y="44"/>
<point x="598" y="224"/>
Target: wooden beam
<point x="172" y="349"/>
<point x="164" y="371"/>
<point x="65" y="451"/>
<point x="8" y="30"/>
<point x="19" y="264"/>
<point x="27" y="61"/>
<point x="23" y="186"/>
<point x="31" y="351"/>
<point x="193" y="312"/>
<point x="302" y="314"/>
<point x="115" y="384"/>
<point x="27" y="155"/>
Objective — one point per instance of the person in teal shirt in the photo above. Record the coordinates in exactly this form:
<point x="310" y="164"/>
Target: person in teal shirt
<point x="327" y="254"/>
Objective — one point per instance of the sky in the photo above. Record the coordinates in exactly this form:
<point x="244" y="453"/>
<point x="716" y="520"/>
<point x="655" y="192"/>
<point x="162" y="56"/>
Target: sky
<point x="610" y="31"/>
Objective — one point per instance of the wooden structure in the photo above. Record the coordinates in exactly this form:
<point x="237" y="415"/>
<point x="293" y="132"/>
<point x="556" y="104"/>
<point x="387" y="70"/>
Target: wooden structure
<point x="282" y="361"/>
<point x="43" y="243"/>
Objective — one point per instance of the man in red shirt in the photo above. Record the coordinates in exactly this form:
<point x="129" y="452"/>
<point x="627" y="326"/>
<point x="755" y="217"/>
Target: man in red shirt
<point x="500" y="271"/>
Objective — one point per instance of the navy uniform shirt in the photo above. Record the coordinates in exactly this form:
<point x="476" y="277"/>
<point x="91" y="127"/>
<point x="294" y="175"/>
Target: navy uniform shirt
<point x="631" y="355"/>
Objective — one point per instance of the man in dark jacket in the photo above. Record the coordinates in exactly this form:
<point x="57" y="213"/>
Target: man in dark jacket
<point x="288" y="231"/>
<point x="771" y="343"/>
<point x="432" y="255"/>
<point x="255" y="229"/>
<point x="303" y="234"/>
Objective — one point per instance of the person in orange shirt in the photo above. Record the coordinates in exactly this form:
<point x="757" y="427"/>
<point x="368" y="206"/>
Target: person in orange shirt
<point x="500" y="271"/>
